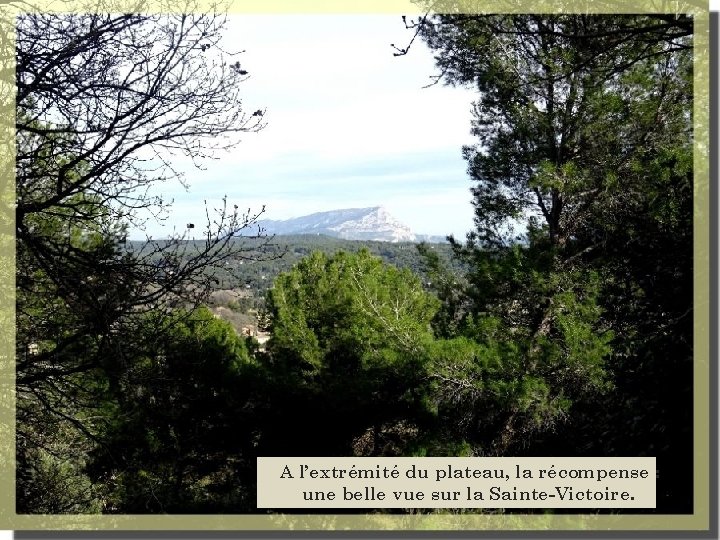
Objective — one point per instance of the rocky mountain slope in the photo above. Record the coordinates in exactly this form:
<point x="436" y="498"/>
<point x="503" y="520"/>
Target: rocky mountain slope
<point x="373" y="223"/>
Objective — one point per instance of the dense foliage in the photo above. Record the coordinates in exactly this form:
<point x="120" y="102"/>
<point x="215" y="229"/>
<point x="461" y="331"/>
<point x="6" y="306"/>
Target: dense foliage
<point x="349" y="339"/>
<point x="584" y="126"/>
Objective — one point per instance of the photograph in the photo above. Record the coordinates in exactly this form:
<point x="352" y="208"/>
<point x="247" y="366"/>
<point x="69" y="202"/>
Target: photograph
<point x="446" y="232"/>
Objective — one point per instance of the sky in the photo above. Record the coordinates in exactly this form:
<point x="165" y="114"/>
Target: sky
<point x="349" y="125"/>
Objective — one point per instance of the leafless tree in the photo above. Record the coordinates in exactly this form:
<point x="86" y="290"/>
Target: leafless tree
<point x="107" y="105"/>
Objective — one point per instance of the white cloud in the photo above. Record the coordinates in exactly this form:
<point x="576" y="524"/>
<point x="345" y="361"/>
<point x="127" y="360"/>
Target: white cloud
<point x="349" y="125"/>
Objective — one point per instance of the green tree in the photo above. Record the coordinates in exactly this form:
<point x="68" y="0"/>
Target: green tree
<point x="349" y="341"/>
<point x="64" y="340"/>
<point x="450" y="285"/>
<point x="583" y="206"/>
<point x="568" y="102"/>
<point x="497" y="387"/>
<point x="181" y="437"/>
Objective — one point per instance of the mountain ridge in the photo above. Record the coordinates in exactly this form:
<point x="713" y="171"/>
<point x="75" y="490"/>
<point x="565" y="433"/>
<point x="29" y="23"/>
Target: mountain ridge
<point x="369" y="223"/>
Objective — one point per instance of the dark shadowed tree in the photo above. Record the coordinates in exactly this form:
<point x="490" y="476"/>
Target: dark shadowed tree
<point x="181" y="437"/>
<point x="583" y="186"/>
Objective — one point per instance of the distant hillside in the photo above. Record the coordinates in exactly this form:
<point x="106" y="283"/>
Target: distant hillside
<point x="257" y="269"/>
<point x="287" y="250"/>
<point x="373" y="223"/>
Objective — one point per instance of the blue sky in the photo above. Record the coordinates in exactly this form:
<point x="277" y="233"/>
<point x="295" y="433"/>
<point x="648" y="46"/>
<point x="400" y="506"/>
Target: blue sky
<point x="348" y="125"/>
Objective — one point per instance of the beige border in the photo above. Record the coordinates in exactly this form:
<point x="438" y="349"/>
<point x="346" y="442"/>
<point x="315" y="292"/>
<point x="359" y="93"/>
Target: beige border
<point x="699" y="521"/>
